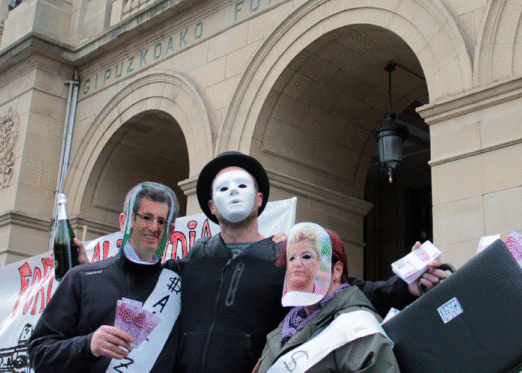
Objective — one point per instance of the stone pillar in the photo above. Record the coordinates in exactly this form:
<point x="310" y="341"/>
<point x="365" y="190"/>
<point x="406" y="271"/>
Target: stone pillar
<point x="32" y="130"/>
<point x="49" y="19"/>
<point x="188" y="186"/>
<point x="476" y="147"/>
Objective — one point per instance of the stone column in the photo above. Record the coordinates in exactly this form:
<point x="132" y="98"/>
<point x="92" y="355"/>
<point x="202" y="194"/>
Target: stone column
<point x="476" y="147"/>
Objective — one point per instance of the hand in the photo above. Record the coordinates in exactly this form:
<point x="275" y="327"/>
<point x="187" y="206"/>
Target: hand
<point x="108" y="341"/>
<point x="430" y="278"/>
<point x="280" y="238"/>
<point x="82" y="253"/>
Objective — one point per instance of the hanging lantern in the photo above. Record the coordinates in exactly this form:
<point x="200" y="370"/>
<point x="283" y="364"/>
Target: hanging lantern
<point x="390" y="136"/>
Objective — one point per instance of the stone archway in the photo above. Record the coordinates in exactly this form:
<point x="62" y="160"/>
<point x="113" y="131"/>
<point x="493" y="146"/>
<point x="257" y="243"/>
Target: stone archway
<point x="426" y="27"/>
<point x="499" y="51"/>
<point x="166" y="94"/>
<point x="148" y="147"/>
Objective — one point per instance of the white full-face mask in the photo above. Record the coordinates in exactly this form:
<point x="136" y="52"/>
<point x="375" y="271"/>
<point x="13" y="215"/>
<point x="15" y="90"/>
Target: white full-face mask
<point x="233" y="193"/>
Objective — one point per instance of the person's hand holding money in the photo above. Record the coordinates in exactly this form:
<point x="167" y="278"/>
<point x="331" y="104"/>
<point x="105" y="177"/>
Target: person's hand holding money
<point x="111" y="342"/>
<point x="430" y="278"/>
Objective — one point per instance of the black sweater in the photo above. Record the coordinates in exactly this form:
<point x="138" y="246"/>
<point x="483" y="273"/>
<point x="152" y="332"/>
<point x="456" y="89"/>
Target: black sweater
<point x="86" y="299"/>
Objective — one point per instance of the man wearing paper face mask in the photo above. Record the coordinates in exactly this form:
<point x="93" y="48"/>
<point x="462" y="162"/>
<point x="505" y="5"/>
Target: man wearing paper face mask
<point x="77" y="331"/>
<point x="231" y="286"/>
<point x="332" y="327"/>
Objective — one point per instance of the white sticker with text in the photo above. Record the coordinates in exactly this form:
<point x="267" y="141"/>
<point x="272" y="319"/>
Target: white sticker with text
<point x="449" y="310"/>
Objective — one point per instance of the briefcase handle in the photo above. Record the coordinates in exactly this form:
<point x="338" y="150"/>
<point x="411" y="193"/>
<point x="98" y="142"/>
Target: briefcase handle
<point x="444" y="267"/>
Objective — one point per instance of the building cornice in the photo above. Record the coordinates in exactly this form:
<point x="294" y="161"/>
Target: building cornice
<point x="471" y="101"/>
<point x="318" y="193"/>
<point x="188" y="186"/>
<point x="13" y="218"/>
<point x="299" y="187"/>
<point x="26" y="221"/>
<point x="22" y="220"/>
<point x="127" y="29"/>
<point x="93" y="227"/>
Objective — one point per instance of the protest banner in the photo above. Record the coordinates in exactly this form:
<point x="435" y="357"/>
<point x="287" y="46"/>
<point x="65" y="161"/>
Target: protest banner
<point x="27" y="285"/>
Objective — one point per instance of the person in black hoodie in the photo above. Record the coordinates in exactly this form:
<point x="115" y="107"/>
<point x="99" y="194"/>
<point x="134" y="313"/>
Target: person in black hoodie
<point x="75" y="332"/>
<point x="232" y="287"/>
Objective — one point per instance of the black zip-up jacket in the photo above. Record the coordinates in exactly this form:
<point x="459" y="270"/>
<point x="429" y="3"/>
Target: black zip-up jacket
<point x="230" y="305"/>
<point x="86" y="299"/>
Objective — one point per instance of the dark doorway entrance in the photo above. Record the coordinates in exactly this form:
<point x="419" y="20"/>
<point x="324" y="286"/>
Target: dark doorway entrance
<point x="402" y="211"/>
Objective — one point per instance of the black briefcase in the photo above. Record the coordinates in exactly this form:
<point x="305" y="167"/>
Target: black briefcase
<point x="471" y="322"/>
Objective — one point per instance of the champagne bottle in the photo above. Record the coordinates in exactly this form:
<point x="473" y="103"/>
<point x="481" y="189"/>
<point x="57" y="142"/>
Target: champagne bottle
<point x="64" y="248"/>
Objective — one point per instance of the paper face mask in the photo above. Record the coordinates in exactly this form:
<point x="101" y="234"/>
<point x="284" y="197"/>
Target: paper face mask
<point x="308" y="265"/>
<point x="233" y="193"/>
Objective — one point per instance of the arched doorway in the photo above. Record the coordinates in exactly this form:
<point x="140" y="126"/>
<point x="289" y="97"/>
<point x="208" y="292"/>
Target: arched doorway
<point x="316" y="127"/>
<point x="158" y="128"/>
<point x="402" y="211"/>
<point x="314" y="131"/>
<point x="150" y="146"/>
<point x="325" y="161"/>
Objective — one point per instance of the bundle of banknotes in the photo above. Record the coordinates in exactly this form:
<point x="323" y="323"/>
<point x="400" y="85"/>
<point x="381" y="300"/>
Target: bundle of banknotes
<point x="413" y="265"/>
<point x="514" y="244"/>
<point x="133" y="319"/>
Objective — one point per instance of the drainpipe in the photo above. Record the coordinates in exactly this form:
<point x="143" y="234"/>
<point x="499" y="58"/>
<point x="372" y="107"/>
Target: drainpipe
<point x="72" y="102"/>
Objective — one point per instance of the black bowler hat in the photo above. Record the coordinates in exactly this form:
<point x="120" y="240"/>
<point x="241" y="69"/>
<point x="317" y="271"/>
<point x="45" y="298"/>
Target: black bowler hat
<point x="224" y="160"/>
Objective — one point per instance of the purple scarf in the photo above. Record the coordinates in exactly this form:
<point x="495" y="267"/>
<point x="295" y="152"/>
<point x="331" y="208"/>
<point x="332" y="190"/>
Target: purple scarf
<point x="297" y="317"/>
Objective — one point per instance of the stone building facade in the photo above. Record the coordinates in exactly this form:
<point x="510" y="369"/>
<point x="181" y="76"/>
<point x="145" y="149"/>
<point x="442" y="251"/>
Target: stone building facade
<point x="163" y="86"/>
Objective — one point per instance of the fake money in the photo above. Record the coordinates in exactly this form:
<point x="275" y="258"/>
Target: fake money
<point x="413" y="265"/>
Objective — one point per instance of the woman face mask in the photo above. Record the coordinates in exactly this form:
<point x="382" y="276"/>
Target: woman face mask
<point x="303" y="261"/>
<point x="308" y="265"/>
